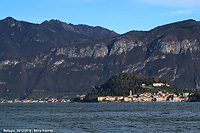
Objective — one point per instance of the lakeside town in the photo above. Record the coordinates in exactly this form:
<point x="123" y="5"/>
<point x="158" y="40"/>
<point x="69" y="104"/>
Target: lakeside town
<point x="144" y="97"/>
<point x="160" y="96"/>
<point x="149" y="97"/>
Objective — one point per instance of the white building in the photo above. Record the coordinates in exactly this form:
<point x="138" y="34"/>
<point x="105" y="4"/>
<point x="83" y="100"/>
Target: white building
<point x="110" y="98"/>
<point x="158" y="84"/>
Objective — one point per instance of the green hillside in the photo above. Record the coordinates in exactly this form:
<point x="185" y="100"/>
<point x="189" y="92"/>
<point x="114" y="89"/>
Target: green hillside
<point x="121" y="84"/>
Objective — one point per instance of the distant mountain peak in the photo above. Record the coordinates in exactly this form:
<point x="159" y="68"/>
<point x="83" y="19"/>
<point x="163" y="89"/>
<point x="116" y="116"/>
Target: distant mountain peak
<point x="180" y="24"/>
<point x="11" y="22"/>
<point x="55" y="21"/>
<point x="189" y="20"/>
<point x="9" y="19"/>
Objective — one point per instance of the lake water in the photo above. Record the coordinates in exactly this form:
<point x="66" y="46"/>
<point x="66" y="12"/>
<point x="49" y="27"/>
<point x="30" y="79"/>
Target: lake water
<point x="101" y="117"/>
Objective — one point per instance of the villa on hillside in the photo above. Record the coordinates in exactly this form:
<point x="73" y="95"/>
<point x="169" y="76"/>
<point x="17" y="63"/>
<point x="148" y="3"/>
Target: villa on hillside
<point x="160" y="84"/>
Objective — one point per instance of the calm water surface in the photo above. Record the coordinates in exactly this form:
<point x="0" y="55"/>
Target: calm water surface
<point x="102" y="117"/>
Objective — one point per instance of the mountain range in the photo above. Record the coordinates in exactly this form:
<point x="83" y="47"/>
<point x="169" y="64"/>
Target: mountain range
<point x="58" y="58"/>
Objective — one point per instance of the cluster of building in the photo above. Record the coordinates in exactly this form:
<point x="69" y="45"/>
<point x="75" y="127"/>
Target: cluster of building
<point x="46" y="100"/>
<point x="148" y="97"/>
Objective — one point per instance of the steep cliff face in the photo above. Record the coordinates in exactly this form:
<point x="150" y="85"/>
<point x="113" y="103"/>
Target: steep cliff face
<point x="170" y="52"/>
<point x="177" y="47"/>
<point x="98" y="50"/>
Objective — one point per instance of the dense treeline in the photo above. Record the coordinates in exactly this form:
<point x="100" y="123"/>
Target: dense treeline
<point x="195" y="98"/>
<point x="121" y="84"/>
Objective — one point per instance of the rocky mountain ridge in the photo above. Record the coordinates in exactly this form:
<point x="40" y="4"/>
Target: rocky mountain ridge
<point x="22" y="39"/>
<point x="170" y="52"/>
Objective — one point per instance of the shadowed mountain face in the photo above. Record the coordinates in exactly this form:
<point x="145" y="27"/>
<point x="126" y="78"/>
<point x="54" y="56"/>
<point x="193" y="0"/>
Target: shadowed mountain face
<point x="20" y="39"/>
<point x="73" y="58"/>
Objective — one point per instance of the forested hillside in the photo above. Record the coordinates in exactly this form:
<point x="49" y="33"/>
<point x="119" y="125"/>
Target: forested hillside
<point x="121" y="84"/>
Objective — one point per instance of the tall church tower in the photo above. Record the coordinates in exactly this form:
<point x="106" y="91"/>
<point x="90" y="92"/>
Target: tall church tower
<point x="130" y="93"/>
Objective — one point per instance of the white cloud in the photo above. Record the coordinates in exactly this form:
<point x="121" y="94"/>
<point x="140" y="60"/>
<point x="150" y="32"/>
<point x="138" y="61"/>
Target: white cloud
<point x="177" y="13"/>
<point x="175" y="3"/>
<point x="181" y="12"/>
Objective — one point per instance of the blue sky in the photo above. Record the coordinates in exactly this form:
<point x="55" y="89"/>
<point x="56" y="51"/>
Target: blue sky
<point x="118" y="15"/>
